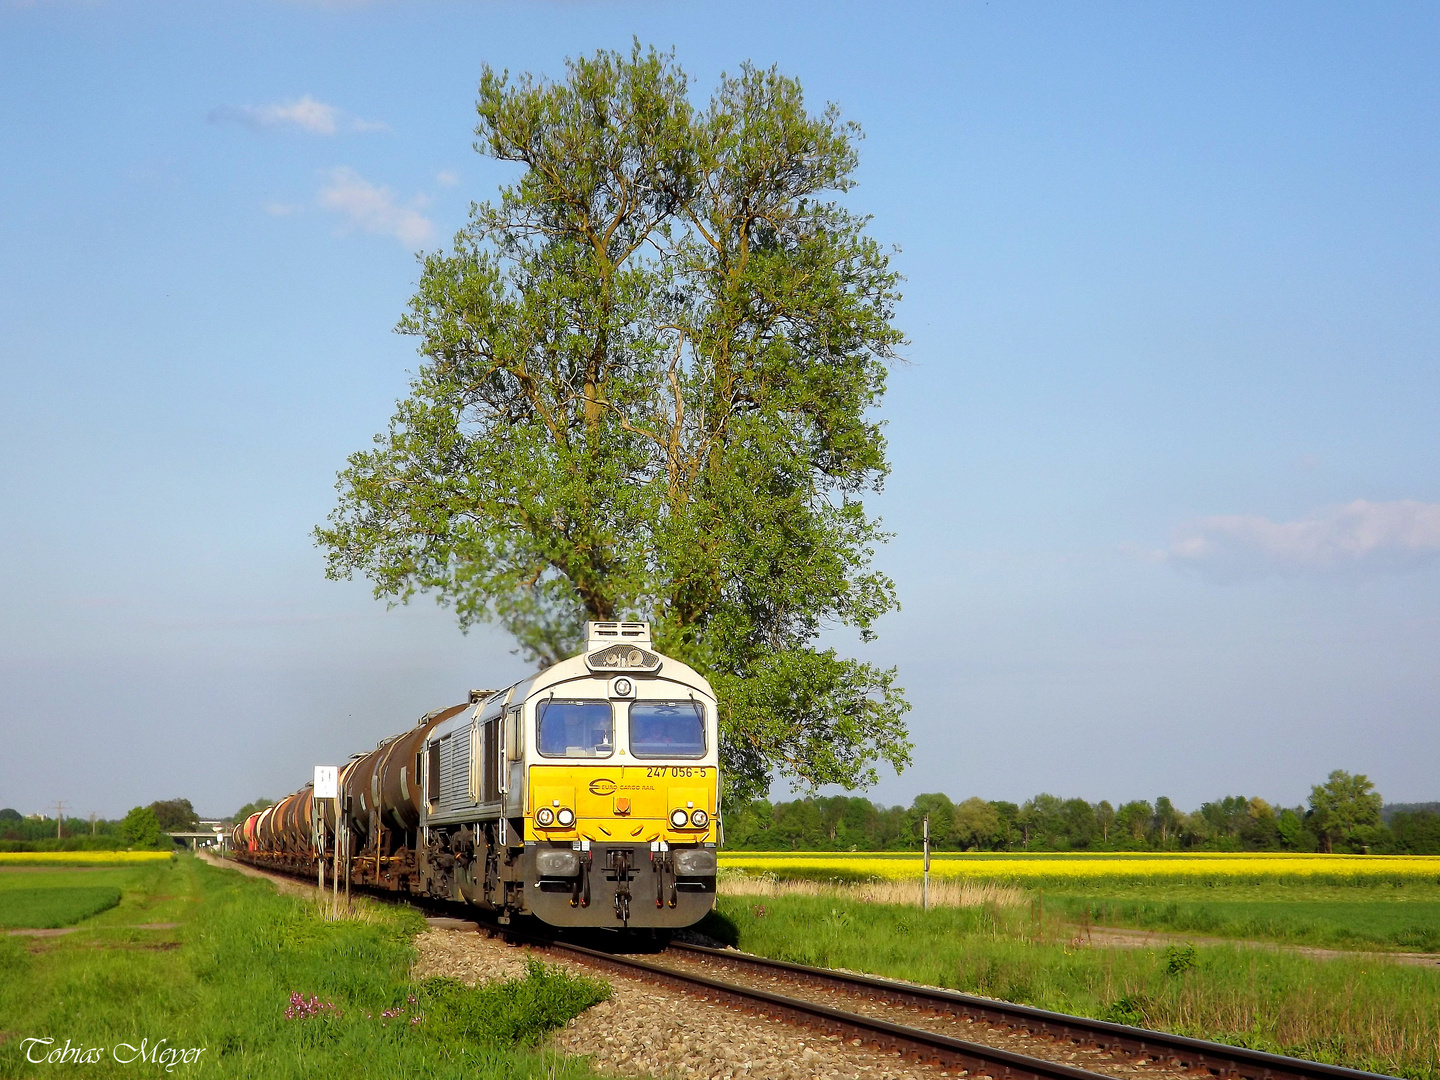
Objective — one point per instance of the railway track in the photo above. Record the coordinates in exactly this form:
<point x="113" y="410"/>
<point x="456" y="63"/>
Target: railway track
<point x="925" y="1023"/>
<point x="946" y="1051"/>
<point x="1101" y="1045"/>
<point x="871" y="1010"/>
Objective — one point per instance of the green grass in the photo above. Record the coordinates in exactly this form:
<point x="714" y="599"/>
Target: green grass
<point x="54" y="907"/>
<point x="1363" y="1012"/>
<point x="1356" y="916"/>
<point x="224" y="979"/>
<point x="52" y="897"/>
<point x="67" y="877"/>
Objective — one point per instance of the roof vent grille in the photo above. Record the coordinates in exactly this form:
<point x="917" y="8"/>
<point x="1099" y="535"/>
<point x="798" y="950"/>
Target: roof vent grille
<point x="600" y="634"/>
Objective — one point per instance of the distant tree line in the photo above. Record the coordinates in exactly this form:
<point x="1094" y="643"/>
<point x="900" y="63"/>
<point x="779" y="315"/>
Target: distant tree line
<point x="1344" y="814"/>
<point x="142" y="827"/>
<point x="250" y="808"/>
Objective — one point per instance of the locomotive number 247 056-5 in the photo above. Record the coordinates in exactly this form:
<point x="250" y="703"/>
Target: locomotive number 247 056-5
<point x="676" y="770"/>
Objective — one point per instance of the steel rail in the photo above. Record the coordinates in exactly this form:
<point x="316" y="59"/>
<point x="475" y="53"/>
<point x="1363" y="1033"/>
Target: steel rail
<point x="909" y="1041"/>
<point x="1198" y="1055"/>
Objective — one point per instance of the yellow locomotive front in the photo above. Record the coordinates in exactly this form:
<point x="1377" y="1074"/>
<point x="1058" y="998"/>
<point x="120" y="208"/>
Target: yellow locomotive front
<point x="621" y="787"/>
<point x="587" y="795"/>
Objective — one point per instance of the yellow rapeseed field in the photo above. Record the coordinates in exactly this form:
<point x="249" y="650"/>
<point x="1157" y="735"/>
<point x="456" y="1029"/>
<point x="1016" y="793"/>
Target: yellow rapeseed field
<point x="1020" y="867"/>
<point x="81" y="858"/>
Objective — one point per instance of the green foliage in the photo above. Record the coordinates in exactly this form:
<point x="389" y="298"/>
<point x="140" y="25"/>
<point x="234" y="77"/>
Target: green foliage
<point x="176" y="815"/>
<point x="1179" y="959"/>
<point x="513" y="1011"/>
<point x="1416" y="832"/>
<point x="1127" y="1009"/>
<point x="1346" y="811"/>
<point x="251" y="808"/>
<point x="650" y="368"/>
<point x="19" y="833"/>
<point x="1132" y="821"/>
<point x="975" y="825"/>
<point x="1049" y="823"/>
<point x="1104" y="819"/>
<point x="106" y="841"/>
<point x="141" y="827"/>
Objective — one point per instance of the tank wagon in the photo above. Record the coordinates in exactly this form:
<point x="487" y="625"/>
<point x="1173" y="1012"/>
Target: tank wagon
<point x="585" y="795"/>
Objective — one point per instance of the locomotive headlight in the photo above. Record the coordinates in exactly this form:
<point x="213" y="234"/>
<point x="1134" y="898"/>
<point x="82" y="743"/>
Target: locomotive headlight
<point x="678" y="818"/>
<point x="544" y="816"/>
<point x="565" y="816"/>
<point x="699" y="818"/>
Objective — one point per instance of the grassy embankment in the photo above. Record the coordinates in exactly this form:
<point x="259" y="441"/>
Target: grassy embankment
<point x="268" y="987"/>
<point x="1338" y="901"/>
<point x="1019" y="943"/>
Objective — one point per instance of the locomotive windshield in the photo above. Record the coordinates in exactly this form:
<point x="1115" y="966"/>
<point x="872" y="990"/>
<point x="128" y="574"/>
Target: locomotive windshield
<point x="665" y="729"/>
<point x="575" y="728"/>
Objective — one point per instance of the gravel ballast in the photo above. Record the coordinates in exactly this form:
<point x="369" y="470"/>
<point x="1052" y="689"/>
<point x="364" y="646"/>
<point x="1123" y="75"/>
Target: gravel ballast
<point x="649" y="1030"/>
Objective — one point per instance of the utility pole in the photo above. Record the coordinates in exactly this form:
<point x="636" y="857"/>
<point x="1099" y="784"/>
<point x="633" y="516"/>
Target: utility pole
<point x="59" y="818"/>
<point x="92" y="822"/>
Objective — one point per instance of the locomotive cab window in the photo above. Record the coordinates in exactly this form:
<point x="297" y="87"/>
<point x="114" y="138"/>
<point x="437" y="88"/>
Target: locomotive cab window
<point x="575" y="729"/>
<point x="667" y="729"/>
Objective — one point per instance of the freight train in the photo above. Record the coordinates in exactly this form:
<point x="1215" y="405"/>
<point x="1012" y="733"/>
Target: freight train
<point x="585" y="795"/>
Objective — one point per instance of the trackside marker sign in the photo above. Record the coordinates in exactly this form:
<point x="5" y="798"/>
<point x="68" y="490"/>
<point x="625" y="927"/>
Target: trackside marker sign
<point x="327" y="785"/>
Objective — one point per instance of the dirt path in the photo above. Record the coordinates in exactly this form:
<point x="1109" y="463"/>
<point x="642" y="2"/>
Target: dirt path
<point x="1120" y="938"/>
<point x="282" y="882"/>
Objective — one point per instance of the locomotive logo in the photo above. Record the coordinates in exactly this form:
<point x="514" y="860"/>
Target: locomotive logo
<point x="623" y="658"/>
<point x="602" y="787"/>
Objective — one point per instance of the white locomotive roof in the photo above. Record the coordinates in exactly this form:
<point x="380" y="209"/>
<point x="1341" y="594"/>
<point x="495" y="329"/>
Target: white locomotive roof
<point x="583" y="666"/>
<point x="600" y="637"/>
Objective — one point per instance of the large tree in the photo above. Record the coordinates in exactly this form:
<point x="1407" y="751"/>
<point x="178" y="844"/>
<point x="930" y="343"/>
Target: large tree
<point x="1346" y="810"/>
<point x="176" y="815"/>
<point x="650" y="373"/>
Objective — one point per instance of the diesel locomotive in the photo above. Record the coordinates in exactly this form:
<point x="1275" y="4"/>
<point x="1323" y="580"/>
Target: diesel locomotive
<point x="585" y="795"/>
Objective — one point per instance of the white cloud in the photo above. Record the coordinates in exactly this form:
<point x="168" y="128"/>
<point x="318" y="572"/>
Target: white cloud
<point x="447" y="177"/>
<point x="374" y="209"/>
<point x="276" y="209"/>
<point x="304" y="113"/>
<point x="1361" y="535"/>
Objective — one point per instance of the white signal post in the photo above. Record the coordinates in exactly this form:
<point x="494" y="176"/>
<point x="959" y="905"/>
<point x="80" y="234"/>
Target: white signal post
<point x="925" y="888"/>
<point x="327" y="786"/>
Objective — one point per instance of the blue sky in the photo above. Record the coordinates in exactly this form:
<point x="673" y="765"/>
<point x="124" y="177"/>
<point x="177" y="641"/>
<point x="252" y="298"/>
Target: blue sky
<point x="1165" y="489"/>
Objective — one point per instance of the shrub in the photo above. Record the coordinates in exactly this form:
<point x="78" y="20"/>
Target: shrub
<point x="141" y="827"/>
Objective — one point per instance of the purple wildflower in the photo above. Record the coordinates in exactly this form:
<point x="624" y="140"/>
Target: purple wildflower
<point x="305" y="1008"/>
